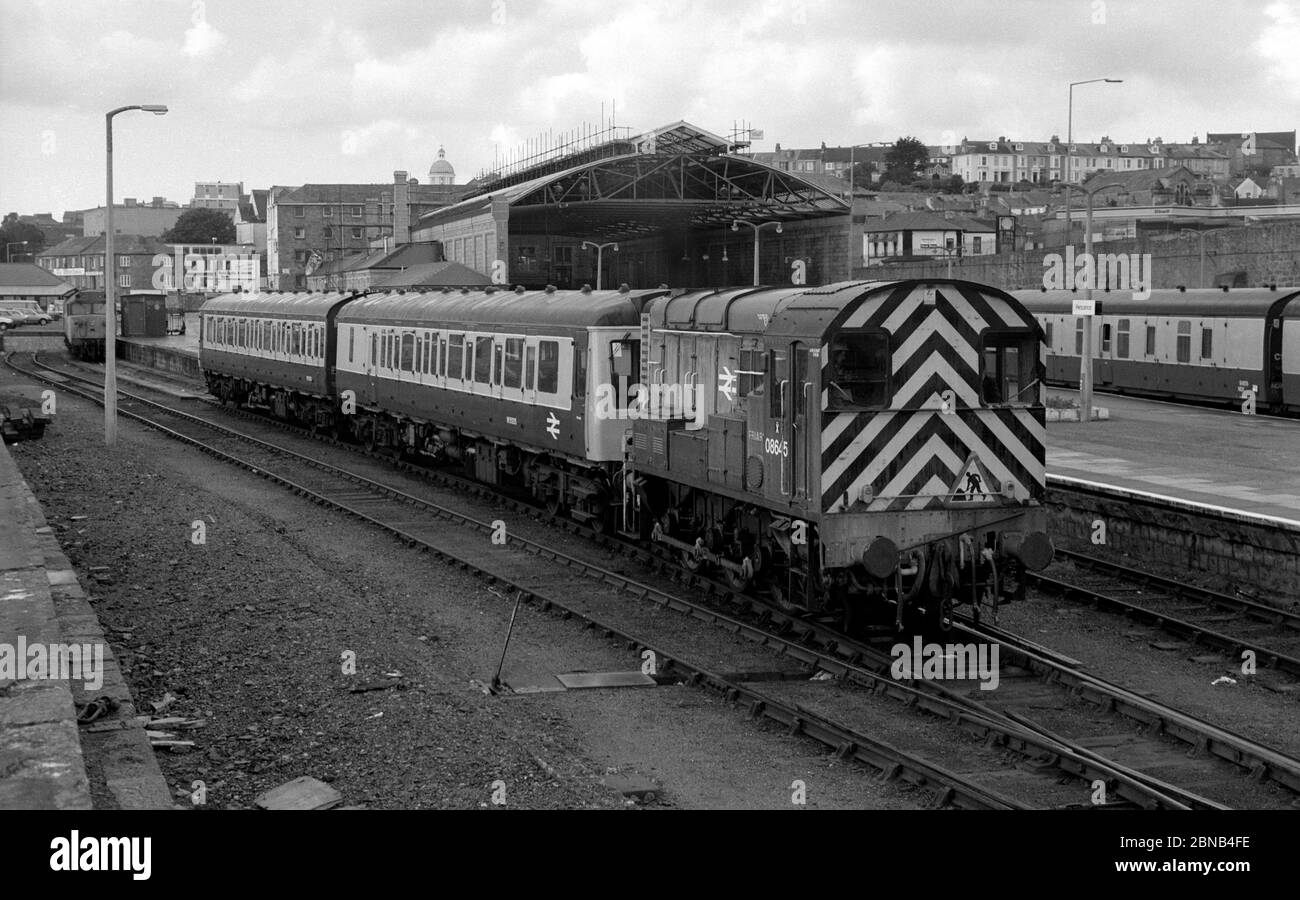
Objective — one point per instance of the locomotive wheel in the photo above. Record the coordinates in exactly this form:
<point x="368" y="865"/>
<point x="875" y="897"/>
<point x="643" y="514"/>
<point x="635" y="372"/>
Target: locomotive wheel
<point x="368" y="440"/>
<point x="554" y="505"/>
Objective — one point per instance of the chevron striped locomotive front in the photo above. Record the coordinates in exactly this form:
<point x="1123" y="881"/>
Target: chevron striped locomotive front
<point x="869" y="445"/>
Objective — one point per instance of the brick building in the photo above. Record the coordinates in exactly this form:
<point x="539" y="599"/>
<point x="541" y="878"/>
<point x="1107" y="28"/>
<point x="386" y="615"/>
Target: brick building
<point x="80" y="261"/>
<point x="314" y="224"/>
<point x="132" y="217"/>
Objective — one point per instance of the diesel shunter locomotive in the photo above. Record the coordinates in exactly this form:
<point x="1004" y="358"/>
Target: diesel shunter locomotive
<point x="844" y="448"/>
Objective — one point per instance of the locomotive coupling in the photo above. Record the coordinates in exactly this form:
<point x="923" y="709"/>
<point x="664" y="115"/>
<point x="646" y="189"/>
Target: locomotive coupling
<point x="1034" y="549"/>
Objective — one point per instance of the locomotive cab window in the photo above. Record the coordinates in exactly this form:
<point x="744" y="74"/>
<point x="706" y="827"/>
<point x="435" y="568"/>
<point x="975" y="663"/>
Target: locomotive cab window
<point x="1007" y="368"/>
<point x="858" y="375"/>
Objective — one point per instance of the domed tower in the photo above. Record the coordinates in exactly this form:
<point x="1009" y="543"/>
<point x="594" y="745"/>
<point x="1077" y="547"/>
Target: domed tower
<point x="441" y="172"/>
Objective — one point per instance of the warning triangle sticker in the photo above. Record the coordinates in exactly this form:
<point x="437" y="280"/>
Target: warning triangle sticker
<point x="974" y="485"/>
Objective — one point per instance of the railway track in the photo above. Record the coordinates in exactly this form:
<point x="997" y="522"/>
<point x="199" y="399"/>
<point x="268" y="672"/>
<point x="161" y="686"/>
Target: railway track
<point x="1199" y="615"/>
<point x="810" y="646"/>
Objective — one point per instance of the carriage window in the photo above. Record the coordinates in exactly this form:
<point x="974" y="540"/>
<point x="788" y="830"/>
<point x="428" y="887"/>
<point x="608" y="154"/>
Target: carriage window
<point x="408" y="352"/>
<point x="752" y="370"/>
<point x="514" y="362"/>
<point x="383" y="351"/>
<point x="1078" y="337"/>
<point x="1207" y="343"/>
<point x="1048" y="336"/>
<point x="548" y="368"/>
<point x="456" y="356"/>
<point x="1151" y="340"/>
<point x="1105" y="338"/>
<point x="442" y="356"/>
<point x="296" y="347"/>
<point x="496" y="364"/>
<point x="858" y="375"/>
<point x="530" y="368"/>
<point x="352" y="340"/>
<point x="1184" y="342"/>
<point x="1007" y="368"/>
<point x="1121" y="339"/>
<point x="483" y="360"/>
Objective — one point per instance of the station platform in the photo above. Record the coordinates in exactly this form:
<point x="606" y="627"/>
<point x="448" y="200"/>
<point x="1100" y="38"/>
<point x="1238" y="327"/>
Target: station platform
<point x="45" y="754"/>
<point x="1216" y="459"/>
<point x="177" y="353"/>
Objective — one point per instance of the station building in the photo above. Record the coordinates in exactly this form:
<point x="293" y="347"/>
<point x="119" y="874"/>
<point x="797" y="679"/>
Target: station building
<point x="676" y="205"/>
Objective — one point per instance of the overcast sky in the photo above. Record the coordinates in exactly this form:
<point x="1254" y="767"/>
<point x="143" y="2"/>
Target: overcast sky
<point x="270" y="92"/>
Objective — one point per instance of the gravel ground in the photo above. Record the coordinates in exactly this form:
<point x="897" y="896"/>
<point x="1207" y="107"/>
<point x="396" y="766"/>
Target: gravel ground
<point x="249" y="631"/>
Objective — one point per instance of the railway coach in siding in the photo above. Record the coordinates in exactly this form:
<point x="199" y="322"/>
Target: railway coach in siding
<point x="1178" y="344"/>
<point x="273" y="351"/>
<point x="863" y="444"/>
<point x="502" y="381"/>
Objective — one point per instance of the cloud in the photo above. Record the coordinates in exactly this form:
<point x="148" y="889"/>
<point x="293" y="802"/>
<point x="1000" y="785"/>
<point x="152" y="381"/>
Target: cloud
<point x="202" y="40"/>
<point x="1278" y="45"/>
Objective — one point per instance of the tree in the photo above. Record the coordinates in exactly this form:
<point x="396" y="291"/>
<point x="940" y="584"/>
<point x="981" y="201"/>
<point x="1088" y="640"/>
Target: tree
<point x="905" y="159"/>
<point x="200" y="226"/>
<point x="13" y="232"/>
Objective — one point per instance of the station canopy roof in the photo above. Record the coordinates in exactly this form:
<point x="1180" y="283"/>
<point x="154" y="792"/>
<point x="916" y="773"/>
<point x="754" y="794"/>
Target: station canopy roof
<point x="674" y="178"/>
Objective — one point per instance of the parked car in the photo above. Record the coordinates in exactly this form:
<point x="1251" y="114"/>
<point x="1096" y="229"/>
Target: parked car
<point x="22" y="315"/>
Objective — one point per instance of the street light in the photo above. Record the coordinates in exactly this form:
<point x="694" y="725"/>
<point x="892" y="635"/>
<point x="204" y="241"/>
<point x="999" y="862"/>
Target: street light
<point x="13" y="244"/>
<point x="852" y="193"/>
<point x="1069" y="140"/>
<point x="735" y="226"/>
<point x="1200" y="234"/>
<point x="110" y="282"/>
<point x="1085" y="359"/>
<point x="600" y="252"/>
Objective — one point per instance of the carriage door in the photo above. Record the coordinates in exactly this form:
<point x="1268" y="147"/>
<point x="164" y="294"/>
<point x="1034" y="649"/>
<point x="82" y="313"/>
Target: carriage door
<point x="372" y="365"/>
<point x="1272" y="386"/>
<point x="1105" y="365"/>
<point x="800" y="387"/>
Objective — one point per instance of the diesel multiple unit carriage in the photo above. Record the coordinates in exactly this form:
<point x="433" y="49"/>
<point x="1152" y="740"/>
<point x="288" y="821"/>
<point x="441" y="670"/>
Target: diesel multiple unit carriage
<point x="1201" y="345"/>
<point x="836" y="446"/>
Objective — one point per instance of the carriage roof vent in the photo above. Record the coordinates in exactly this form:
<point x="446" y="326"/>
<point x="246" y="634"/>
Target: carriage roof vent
<point x="1273" y="286"/>
<point x="446" y="290"/>
<point x="625" y="288"/>
<point x="1182" y="288"/>
<point x="490" y="289"/>
<point x="519" y="289"/>
<point x="1225" y="288"/>
<point x="464" y="290"/>
<point x="550" y="289"/>
<point x="586" y="289"/>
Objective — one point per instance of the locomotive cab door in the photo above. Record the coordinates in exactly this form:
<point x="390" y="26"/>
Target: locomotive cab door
<point x="800" y="387"/>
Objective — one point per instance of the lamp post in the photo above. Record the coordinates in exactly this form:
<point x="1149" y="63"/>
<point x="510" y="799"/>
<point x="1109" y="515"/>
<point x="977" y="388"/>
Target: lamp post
<point x="757" y="226"/>
<point x="1069" y="139"/>
<point x="110" y="281"/>
<point x="600" y="252"/>
<point x="13" y="244"/>
<point x="1085" y="359"/>
<point x="1200" y="234"/>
